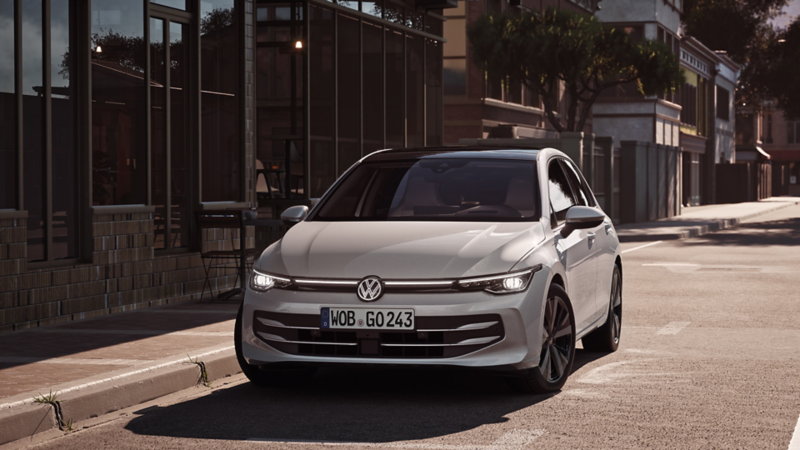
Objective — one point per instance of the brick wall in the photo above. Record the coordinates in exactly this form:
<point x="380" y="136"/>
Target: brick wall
<point x="125" y="274"/>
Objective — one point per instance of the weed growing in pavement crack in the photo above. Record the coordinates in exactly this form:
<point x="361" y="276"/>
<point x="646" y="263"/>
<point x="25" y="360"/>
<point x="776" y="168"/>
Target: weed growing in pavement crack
<point x="203" y="371"/>
<point x="52" y="400"/>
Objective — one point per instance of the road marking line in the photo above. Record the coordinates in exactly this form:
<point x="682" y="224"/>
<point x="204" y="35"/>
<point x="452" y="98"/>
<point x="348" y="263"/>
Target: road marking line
<point x="672" y="328"/>
<point x="794" y="444"/>
<point x="670" y="265"/>
<point x="515" y="439"/>
<point x="118" y="377"/>
<point x="641" y="246"/>
<point x="518" y="436"/>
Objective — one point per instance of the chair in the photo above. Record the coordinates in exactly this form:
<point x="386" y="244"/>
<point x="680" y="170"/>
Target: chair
<point x="222" y="259"/>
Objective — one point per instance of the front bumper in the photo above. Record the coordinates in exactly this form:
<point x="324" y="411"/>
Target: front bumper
<point x="468" y="329"/>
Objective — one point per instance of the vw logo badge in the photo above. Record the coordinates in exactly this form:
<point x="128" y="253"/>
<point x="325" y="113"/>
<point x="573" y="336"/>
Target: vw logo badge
<point x="370" y="289"/>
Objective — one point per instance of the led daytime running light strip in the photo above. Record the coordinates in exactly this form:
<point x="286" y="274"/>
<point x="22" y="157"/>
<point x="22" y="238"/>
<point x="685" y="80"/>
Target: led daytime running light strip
<point x="409" y="283"/>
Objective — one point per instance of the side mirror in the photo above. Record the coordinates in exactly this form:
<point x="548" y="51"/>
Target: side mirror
<point x="580" y="217"/>
<point x="294" y="214"/>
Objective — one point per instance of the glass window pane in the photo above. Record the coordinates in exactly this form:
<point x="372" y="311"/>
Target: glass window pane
<point x="65" y="158"/>
<point x="433" y="82"/>
<point x="352" y="4"/>
<point x="119" y="164"/>
<point x="393" y="12"/>
<point x="372" y="8"/>
<point x="177" y="4"/>
<point x="179" y="154"/>
<point x="349" y="92"/>
<point x="579" y="188"/>
<point x="561" y="198"/>
<point x="373" y="87"/>
<point x="433" y="25"/>
<point x="8" y="110"/>
<point x="455" y="76"/>
<point x="456" y="34"/>
<point x="158" y="129"/>
<point x="33" y="132"/>
<point x="415" y="90"/>
<point x="219" y="67"/>
<point x="395" y="95"/>
<point x="323" y="161"/>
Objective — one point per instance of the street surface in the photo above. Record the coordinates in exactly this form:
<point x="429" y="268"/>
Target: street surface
<point x="709" y="358"/>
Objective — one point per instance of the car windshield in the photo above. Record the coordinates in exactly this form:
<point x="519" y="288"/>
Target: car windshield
<point x="436" y="189"/>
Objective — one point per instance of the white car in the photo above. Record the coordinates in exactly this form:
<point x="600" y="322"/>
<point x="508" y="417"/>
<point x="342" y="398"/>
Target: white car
<point x="472" y="257"/>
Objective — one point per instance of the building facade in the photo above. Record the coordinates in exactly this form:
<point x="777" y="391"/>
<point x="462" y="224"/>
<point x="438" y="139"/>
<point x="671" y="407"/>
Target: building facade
<point x="121" y="119"/>
<point x="698" y="117"/>
<point x="473" y="106"/>
<point x="779" y="137"/>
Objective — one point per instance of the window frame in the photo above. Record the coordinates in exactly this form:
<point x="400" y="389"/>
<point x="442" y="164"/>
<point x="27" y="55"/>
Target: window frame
<point x="554" y="222"/>
<point x="82" y="236"/>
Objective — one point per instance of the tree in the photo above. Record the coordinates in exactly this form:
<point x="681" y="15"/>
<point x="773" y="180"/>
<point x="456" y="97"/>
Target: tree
<point x="782" y="78"/>
<point x="544" y="51"/>
<point x="742" y="29"/>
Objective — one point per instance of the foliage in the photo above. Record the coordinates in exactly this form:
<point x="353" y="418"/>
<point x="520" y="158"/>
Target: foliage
<point x="544" y="51"/>
<point x="782" y="79"/>
<point x="742" y="29"/>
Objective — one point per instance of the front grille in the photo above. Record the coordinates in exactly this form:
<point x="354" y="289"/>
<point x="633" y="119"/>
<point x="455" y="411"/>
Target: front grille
<point x="435" y="337"/>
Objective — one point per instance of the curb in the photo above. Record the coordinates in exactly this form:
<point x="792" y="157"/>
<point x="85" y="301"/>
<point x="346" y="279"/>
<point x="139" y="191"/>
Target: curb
<point x="20" y="422"/>
<point x="700" y="230"/>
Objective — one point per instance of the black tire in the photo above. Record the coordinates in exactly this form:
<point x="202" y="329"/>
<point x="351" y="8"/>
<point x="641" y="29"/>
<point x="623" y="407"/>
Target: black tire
<point x="265" y="377"/>
<point x="558" y="352"/>
<point x="606" y="338"/>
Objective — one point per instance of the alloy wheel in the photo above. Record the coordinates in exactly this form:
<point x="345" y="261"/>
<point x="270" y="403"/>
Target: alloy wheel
<point x="616" y="307"/>
<point x="558" y="340"/>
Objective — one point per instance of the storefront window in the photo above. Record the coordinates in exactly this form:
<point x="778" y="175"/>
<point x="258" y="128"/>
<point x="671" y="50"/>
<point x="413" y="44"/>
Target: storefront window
<point x="8" y="109"/>
<point x="415" y="90"/>
<point x="433" y="92"/>
<point x="119" y="147"/>
<point x="64" y="122"/>
<point x="322" y="92"/>
<point x="220" y="83"/>
<point x="33" y="104"/>
<point x="373" y="87"/>
<point x="395" y="92"/>
<point x="349" y="92"/>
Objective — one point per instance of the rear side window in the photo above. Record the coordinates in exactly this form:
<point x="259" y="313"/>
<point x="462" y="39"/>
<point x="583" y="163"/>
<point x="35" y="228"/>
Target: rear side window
<point x="582" y="194"/>
<point x="560" y="192"/>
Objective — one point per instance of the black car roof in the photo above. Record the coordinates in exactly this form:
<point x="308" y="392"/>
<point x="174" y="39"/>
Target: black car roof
<point x="454" y="152"/>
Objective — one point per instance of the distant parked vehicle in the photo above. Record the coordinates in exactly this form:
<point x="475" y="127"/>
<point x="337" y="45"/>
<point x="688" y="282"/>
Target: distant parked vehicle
<point x="491" y="258"/>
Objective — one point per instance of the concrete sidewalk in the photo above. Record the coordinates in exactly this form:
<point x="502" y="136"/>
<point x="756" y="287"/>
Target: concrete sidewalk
<point x="700" y="220"/>
<point x="104" y="364"/>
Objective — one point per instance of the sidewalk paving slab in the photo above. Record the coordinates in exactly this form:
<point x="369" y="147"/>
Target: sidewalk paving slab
<point x="104" y="364"/>
<point x="700" y="220"/>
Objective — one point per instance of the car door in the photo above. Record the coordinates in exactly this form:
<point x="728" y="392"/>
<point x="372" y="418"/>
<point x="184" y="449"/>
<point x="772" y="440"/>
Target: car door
<point x="599" y="240"/>
<point x="574" y="250"/>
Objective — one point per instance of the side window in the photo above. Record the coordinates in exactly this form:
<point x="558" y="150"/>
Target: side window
<point x="578" y="186"/>
<point x="561" y="198"/>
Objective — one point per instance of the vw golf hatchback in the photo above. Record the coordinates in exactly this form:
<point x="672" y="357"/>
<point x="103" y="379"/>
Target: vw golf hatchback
<point x="491" y="258"/>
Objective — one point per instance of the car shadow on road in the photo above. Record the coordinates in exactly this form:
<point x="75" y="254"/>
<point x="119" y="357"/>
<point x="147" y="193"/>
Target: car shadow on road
<point x="347" y="405"/>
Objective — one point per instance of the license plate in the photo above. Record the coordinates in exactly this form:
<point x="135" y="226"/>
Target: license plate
<point x="366" y="318"/>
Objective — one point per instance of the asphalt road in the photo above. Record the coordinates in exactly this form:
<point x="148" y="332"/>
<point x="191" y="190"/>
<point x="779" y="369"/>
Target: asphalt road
<point x="710" y="358"/>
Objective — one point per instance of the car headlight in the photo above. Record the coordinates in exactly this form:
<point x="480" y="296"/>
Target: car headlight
<point x="506" y="283"/>
<point x="262" y="282"/>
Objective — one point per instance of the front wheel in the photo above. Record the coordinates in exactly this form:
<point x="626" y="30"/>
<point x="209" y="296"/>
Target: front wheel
<point x="266" y="377"/>
<point x="558" y="347"/>
<point x="606" y="338"/>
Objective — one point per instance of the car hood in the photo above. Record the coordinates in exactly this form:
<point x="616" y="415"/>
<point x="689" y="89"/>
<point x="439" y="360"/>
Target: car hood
<point x="412" y="250"/>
